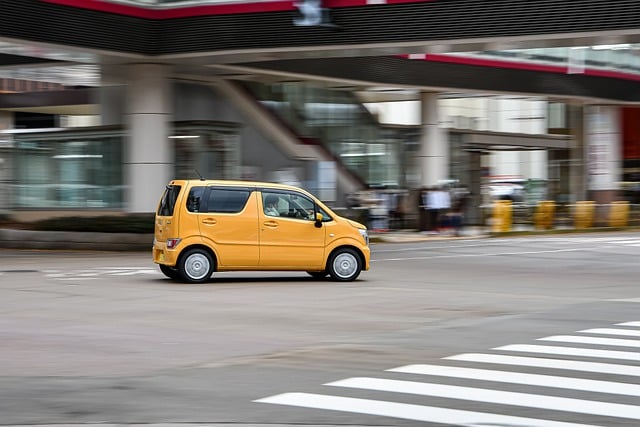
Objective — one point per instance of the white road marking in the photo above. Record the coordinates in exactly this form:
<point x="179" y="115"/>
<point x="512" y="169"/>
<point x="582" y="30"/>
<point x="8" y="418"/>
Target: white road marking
<point x="101" y="272"/>
<point x="529" y="400"/>
<point x="409" y="411"/>
<point x="519" y="378"/>
<point x="611" y="331"/>
<point x="581" y="249"/>
<point x="572" y="365"/>
<point x="134" y="272"/>
<point x="592" y="340"/>
<point x="571" y="351"/>
<point x="636" y="324"/>
<point x="625" y="300"/>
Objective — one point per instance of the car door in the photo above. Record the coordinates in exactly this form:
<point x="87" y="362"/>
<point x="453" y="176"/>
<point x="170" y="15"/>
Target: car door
<point x="290" y="239"/>
<point x="229" y="223"/>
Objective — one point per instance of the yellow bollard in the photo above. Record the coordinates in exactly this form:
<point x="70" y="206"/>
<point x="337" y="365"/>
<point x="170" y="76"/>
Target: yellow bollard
<point x="502" y="217"/>
<point x="619" y="214"/>
<point x="544" y="216"/>
<point x="583" y="216"/>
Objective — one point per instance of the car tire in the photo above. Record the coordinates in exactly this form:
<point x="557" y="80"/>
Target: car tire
<point x="344" y="265"/>
<point x="196" y="266"/>
<point x="170" y="272"/>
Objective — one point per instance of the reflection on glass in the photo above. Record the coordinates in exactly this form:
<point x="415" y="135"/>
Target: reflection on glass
<point x="338" y="121"/>
<point x="66" y="172"/>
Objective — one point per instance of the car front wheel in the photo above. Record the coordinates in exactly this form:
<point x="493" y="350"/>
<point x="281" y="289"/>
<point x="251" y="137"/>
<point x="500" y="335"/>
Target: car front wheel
<point x="195" y="266"/>
<point x="344" y="265"/>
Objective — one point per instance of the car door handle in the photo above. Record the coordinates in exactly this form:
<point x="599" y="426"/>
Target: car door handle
<point x="271" y="224"/>
<point x="209" y="221"/>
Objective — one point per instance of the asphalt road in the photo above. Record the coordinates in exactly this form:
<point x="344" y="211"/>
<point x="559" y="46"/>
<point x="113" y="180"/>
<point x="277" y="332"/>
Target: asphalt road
<point x="527" y="331"/>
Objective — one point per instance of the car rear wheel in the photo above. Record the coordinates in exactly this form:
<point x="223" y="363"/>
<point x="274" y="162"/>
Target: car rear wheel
<point x="170" y="272"/>
<point x="196" y="266"/>
<point x="345" y="265"/>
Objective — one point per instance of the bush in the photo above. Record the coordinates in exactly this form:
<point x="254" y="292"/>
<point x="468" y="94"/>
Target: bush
<point x="139" y="223"/>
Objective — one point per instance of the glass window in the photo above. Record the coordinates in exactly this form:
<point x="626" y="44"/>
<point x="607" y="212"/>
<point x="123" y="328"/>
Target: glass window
<point x="291" y="205"/>
<point x="193" y="200"/>
<point x="168" y="201"/>
<point x="272" y="204"/>
<point x="65" y="171"/>
<point x="224" y="200"/>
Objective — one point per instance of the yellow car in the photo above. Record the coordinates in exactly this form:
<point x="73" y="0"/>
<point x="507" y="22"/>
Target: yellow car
<point x="205" y="226"/>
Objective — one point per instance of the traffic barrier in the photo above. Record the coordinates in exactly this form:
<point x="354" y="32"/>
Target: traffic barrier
<point x="583" y="214"/>
<point x="619" y="214"/>
<point x="544" y="216"/>
<point x="502" y="216"/>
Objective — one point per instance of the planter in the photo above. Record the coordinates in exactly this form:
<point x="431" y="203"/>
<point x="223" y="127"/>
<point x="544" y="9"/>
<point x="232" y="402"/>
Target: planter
<point x="73" y="240"/>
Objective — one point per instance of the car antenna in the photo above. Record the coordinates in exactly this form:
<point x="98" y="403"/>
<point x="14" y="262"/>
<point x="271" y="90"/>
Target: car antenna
<point x="200" y="175"/>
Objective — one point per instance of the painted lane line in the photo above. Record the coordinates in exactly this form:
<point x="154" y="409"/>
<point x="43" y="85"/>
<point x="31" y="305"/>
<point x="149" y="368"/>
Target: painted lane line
<point x="625" y="300"/>
<point x="635" y="324"/>
<point x="485" y="395"/>
<point x="592" y="340"/>
<point x="408" y="411"/>
<point x="611" y="331"/>
<point x="571" y="365"/>
<point x="519" y="378"/>
<point x="571" y="351"/>
<point x="581" y="249"/>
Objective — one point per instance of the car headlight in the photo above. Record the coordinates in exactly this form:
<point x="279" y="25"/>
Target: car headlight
<point x="364" y="235"/>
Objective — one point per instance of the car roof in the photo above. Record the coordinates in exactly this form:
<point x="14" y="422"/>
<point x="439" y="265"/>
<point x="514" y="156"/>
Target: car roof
<point x="237" y="183"/>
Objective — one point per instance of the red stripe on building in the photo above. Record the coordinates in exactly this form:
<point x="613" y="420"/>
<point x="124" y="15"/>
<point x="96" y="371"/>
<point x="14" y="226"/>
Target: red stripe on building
<point x="211" y="9"/>
<point x="497" y="63"/>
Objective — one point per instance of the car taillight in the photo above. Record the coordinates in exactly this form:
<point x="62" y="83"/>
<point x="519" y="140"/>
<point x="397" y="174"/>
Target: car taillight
<point x="172" y="243"/>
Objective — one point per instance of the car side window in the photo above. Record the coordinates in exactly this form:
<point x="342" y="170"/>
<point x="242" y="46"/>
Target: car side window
<point x="193" y="200"/>
<point x="223" y="200"/>
<point x="272" y="204"/>
<point x="289" y="204"/>
<point x="325" y="215"/>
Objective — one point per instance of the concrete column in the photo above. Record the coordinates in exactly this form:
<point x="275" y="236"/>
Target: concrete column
<point x="6" y="120"/>
<point x="148" y="160"/>
<point x="111" y="95"/>
<point x="577" y="175"/>
<point x="603" y="140"/>
<point x="433" y="156"/>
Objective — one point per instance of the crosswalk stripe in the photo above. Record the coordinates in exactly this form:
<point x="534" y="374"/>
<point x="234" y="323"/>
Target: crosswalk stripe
<point x="485" y="395"/>
<point x="571" y="351"/>
<point x="519" y="378"/>
<point x="571" y="365"/>
<point x="592" y="340"/>
<point x="408" y="411"/>
<point x="611" y="331"/>
<point x="637" y="324"/>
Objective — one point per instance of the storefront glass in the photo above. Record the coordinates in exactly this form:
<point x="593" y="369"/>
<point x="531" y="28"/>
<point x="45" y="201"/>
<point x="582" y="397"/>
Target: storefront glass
<point x="68" y="171"/>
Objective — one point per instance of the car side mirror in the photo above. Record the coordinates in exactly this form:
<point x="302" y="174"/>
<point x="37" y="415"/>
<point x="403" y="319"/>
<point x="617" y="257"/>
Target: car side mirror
<point x="318" y="222"/>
